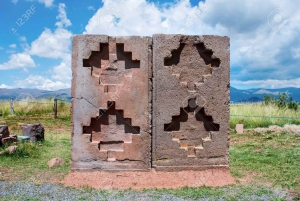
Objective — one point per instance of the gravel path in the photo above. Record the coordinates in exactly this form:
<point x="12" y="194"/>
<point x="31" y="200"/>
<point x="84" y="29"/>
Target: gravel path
<point x="28" y="191"/>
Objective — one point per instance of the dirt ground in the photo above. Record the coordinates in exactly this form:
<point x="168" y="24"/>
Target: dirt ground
<point x="157" y="179"/>
<point x="152" y="179"/>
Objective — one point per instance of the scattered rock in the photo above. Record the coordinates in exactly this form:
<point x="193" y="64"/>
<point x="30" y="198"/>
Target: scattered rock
<point x="34" y="131"/>
<point x="4" y="132"/>
<point x="55" y="161"/>
<point x="9" y="139"/>
<point x="239" y="128"/>
<point x="10" y="150"/>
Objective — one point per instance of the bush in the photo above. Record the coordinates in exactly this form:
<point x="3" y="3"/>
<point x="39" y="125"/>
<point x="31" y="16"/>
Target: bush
<point x="284" y="101"/>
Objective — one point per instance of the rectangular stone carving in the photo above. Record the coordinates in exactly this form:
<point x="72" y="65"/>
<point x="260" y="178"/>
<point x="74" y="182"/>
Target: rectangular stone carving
<point x="111" y="102"/>
<point x="113" y="107"/>
<point x="190" y="102"/>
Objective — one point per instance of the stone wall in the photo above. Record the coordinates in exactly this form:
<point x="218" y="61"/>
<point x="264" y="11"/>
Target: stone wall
<point x="118" y="124"/>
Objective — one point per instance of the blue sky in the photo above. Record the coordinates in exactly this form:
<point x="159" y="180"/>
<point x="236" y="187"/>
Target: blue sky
<point x="36" y="35"/>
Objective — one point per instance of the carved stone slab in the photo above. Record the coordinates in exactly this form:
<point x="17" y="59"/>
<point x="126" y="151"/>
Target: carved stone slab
<point x="190" y="102"/>
<point x="111" y="108"/>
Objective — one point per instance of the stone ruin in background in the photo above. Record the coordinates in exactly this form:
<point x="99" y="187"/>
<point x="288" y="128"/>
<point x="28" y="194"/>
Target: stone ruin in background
<point x="141" y="102"/>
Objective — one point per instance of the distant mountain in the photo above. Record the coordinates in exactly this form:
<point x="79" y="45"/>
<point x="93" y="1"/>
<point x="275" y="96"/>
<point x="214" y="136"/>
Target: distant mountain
<point x="236" y="95"/>
<point x="257" y="94"/>
<point x="63" y="94"/>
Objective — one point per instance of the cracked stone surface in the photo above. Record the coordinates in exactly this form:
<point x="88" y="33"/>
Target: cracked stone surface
<point x="113" y="107"/>
<point x="111" y="99"/>
<point x="190" y="102"/>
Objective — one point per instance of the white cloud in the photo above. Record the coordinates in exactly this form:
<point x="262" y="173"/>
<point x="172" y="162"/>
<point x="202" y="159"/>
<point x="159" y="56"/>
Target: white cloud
<point x="48" y="3"/>
<point x="13" y="46"/>
<point x="257" y="51"/>
<point x="10" y="51"/>
<point x="62" y="16"/>
<point x="23" y="38"/>
<point x="1" y="48"/>
<point x="296" y="52"/>
<point x="14" y="1"/>
<point x="91" y="8"/>
<point x="40" y="82"/>
<point x="63" y="72"/>
<point x="20" y="60"/>
<point x="268" y="83"/>
<point x="136" y="17"/>
<point x="52" y="45"/>
<point x="4" y="86"/>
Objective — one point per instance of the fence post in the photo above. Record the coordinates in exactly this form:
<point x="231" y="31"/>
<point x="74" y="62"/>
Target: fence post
<point x="55" y="108"/>
<point x="12" y="111"/>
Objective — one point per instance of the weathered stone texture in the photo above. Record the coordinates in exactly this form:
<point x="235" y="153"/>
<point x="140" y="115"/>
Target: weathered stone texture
<point x="239" y="128"/>
<point x="111" y="102"/>
<point x="36" y="132"/>
<point x="190" y="102"/>
<point x="4" y="133"/>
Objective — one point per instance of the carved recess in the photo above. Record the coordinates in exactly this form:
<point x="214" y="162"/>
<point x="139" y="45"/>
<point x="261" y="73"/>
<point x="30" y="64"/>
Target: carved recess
<point x="110" y="131"/>
<point x="111" y="103"/>
<point x="182" y="58"/>
<point x="111" y="64"/>
<point x="191" y="128"/>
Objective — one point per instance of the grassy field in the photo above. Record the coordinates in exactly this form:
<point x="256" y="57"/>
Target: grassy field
<point x="35" y="107"/>
<point x="269" y="162"/>
<point x="262" y="115"/>
<point x="29" y="162"/>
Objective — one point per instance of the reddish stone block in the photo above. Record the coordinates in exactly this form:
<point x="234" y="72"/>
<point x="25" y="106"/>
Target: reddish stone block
<point x="239" y="128"/>
<point x="111" y="102"/>
<point x="190" y="102"/>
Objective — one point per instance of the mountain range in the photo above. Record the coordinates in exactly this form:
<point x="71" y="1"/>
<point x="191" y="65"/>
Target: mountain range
<point x="236" y="95"/>
<point x="63" y="94"/>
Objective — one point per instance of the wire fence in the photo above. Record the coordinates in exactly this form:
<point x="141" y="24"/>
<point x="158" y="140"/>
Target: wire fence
<point x="270" y="117"/>
<point x="27" y="102"/>
<point x="56" y="102"/>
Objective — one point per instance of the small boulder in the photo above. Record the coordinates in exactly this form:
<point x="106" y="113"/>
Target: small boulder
<point x="55" y="161"/>
<point x="9" y="139"/>
<point x="4" y="132"/>
<point x="239" y="128"/>
<point x="10" y="150"/>
<point x="34" y="131"/>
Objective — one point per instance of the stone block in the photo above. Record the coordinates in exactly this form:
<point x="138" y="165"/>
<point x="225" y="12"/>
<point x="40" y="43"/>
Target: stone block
<point x="190" y="102"/>
<point x="239" y="128"/>
<point x="34" y="131"/>
<point x="4" y="132"/>
<point x="113" y="107"/>
<point x="111" y="102"/>
<point x="8" y="140"/>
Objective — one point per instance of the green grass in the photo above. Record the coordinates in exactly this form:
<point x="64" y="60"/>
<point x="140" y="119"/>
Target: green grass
<point x="35" y="107"/>
<point x="29" y="162"/>
<point x="44" y="107"/>
<point x="262" y="110"/>
<point x="273" y="157"/>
